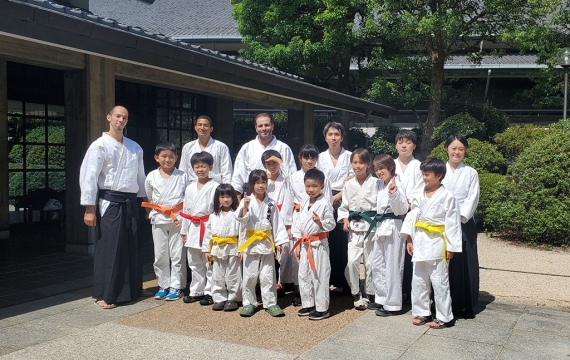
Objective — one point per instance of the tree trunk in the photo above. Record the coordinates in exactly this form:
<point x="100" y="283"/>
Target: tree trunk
<point x="434" y="108"/>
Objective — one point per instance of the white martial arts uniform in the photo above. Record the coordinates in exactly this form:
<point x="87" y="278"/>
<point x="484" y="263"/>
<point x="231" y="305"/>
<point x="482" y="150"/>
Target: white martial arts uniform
<point x="411" y="179"/>
<point x="389" y="248"/>
<point x="360" y="198"/>
<point x="221" y="170"/>
<point x="198" y="203"/>
<point x="226" y="270"/>
<point x="429" y="250"/>
<point x="169" y="252"/>
<point x="258" y="257"/>
<point x="249" y="159"/>
<point x="464" y="185"/>
<point x="314" y="284"/>
<point x="336" y="174"/>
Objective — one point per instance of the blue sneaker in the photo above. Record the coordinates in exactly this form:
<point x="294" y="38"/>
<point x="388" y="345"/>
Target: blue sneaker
<point x="174" y="294"/>
<point x="161" y="294"/>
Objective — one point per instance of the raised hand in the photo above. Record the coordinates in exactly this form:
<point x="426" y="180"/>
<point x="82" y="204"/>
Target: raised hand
<point x="392" y="188"/>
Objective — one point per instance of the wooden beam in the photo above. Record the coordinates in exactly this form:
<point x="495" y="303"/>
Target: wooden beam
<point x="35" y="53"/>
<point x="100" y="94"/>
<point x="185" y="82"/>
<point x="4" y="177"/>
<point x="308" y="124"/>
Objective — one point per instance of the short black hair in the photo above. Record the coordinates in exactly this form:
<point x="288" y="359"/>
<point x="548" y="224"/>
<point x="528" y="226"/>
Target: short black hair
<point x="256" y="175"/>
<point x="451" y="138"/>
<point x="205" y="117"/>
<point x="164" y="146"/>
<point x="204" y="157"/>
<point x="435" y="165"/>
<point x="315" y="174"/>
<point x="309" y="151"/>
<point x="334" y="125"/>
<point x="225" y="189"/>
<point x="269" y="153"/>
<point x="408" y="135"/>
<point x="363" y="154"/>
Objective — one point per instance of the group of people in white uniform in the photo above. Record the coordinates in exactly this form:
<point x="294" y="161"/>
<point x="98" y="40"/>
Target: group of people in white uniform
<point x="263" y="223"/>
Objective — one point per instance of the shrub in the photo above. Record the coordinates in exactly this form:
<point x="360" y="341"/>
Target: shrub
<point x="515" y="139"/>
<point x="461" y="123"/>
<point x="481" y="155"/>
<point x="494" y="120"/>
<point x="488" y="195"/>
<point x="533" y="205"/>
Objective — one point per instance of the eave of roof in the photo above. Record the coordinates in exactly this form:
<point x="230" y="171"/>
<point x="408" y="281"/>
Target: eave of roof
<point x="74" y="29"/>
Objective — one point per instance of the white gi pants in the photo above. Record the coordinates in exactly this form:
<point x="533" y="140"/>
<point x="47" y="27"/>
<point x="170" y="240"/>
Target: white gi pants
<point x="226" y="279"/>
<point x="169" y="256"/>
<point x="435" y="274"/>
<point x="387" y="270"/>
<point x="201" y="272"/>
<point x="260" y="266"/>
<point x="359" y="247"/>
<point x="288" y="265"/>
<point x="314" y="284"/>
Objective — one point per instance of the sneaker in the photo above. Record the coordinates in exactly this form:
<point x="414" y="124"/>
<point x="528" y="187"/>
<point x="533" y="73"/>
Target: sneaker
<point x="207" y="300"/>
<point x="275" y="311"/>
<point x="297" y="300"/>
<point x="360" y="303"/>
<point x="190" y="299"/>
<point x="306" y="311"/>
<point x="231" y="305"/>
<point x="374" y="306"/>
<point x="174" y="294"/>
<point x="219" y="306"/>
<point x="161" y="294"/>
<point x="383" y="312"/>
<point x="319" y="315"/>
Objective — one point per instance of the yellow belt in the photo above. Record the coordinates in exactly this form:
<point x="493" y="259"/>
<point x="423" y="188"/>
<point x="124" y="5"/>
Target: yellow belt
<point x="257" y="235"/>
<point x="222" y="241"/>
<point x="435" y="230"/>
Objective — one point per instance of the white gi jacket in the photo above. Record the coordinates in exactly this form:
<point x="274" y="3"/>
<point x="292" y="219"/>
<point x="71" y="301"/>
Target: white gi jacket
<point x="464" y="185"/>
<point x="197" y="203"/>
<point x="166" y="192"/>
<point x="336" y="174"/>
<point x="221" y="225"/>
<point x="411" y="180"/>
<point x="304" y="224"/>
<point x="358" y="198"/>
<point x="249" y="159"/>
<point x="222" y="168"/>
<point x="296" y="194"/>
<point x="440" y="209"/>
<point x="390" y="203"/>
<point x="110" y="165"/>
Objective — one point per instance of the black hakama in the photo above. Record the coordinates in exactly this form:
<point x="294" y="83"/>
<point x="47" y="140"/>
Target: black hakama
<point x="338" y="254"/>
<point x="464" y="273"/>
<point x="117" y="275"/>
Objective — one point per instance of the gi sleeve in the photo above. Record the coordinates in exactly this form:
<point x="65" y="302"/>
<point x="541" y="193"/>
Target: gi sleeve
<point x="89" y="174"/>
<point x="453" y="232"/>
<point x="226" y="165"/>
<point x="469" y="205"/>
<point x="239" y="177"/>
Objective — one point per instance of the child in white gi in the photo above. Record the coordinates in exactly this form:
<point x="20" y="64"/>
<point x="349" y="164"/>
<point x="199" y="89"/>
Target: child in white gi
<point x="165" y="188"/>
<point x="221" y="247"/>
<point x="296" y="195"/>
<point x="389" y="249"/>
<point x="311" y="227"/>
<point x="357" y="212"/>
<point x="265" y="234"/>
<point x="433" y="231"/>
<point x="276" y="188"/>
<point x="198" y="205"/>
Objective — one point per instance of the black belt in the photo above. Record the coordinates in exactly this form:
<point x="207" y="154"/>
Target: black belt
<point x="125" y="200"/>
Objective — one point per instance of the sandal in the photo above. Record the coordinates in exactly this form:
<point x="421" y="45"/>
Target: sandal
<point x="103" y="305"/>
<point x="247" y="311"/>
<point x="275" y="311"/>
<point x="421" y="320"/>
<point x="436" y="324"/>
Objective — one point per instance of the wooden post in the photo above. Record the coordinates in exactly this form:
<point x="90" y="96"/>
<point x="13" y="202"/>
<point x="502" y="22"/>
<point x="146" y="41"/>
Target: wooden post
<point x="221" y="111"/>
<point x="4" y="177"/>
<point x="295" y="126"/>
<point x="309" y="124"/>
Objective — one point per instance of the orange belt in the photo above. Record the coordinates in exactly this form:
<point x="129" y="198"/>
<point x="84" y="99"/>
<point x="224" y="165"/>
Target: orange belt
<point x="296" y="207"/>
<point x="308" y="240"/>
<point x="198" y="220"/>
<point x="170" y="211"/>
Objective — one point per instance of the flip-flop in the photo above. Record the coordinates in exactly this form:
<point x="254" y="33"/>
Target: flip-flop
<point x="103" y="305"/>
<point x="436" y="324"/>
<point x="422" y="320"/>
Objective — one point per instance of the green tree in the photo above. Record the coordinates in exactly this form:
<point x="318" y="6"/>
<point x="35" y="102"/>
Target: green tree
<point x="420" y="36"/>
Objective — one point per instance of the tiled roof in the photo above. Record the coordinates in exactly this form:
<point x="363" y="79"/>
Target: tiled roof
<point x="173" y="18"/>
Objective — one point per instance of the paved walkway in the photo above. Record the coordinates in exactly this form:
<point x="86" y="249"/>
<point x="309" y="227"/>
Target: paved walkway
<point x="69" y="326"/>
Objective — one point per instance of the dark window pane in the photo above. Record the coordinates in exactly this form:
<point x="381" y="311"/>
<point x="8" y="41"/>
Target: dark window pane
<point x="187" y="100"/>
<point x="161" y="117"/>
<point x="186" y="120"/>
<point x="56" y="132"/>
<point x="15" y="107"/>
<point x="187" y="136"/>
<point x="35" y="110"/>
<point x="174" y="137"/>
<point x="35" y="130"/>
<point x="35" y="156"/>
<point x="174" y="119"/>
<point x="56" y="157"/>
<point x="161" y="135"/>
<point x="16" y="183"/>
<point x="56" y="112"/>
<point x="175" y="98"/>
<point x="15" y="129"/>
<point x="161" y="97"/>
<point x="35" y="180"/>
<point x="56" y="180"/>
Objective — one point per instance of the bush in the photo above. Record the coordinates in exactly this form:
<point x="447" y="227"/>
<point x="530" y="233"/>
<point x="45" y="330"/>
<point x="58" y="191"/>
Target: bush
<point x="533" y="205"/>
<point x="515" y="139"/>
<point x="494" y="120"/>
<point x="461" y="123"/>
<point x="488" y="195"/>
<point x="481" y="156"/>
